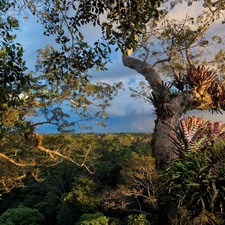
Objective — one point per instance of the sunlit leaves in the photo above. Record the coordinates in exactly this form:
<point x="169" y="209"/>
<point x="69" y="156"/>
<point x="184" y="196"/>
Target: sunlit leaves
<point x="82" y="192"/>
<point x="193" y="186"/>
<point x="97" y="218"/>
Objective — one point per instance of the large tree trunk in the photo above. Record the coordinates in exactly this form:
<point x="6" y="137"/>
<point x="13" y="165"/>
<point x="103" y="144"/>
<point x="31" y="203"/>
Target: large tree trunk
<point x="169" y="109"/>
<point x="198" y="89"/>
<point x="163" y="148"/>
<point x="205" y="92"/>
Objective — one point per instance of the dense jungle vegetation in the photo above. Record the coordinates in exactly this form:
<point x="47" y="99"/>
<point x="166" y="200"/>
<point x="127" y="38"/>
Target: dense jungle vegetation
<point x="117" y="187"/>
<point x="121" y="185"/>
<point x="174" y="176"/>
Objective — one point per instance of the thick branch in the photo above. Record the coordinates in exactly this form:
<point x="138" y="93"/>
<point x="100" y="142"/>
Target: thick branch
<point x="53" y="154"/>
<point x="144" y="69"/>
<point x="3" y="156"/>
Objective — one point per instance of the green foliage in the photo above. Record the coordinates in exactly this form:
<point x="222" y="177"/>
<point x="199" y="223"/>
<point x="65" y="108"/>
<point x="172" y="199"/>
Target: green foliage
<point x="66" y="192"/>
<point x="135" y="191"/>
<point x="46" y="196"/>
<point x="12" y="65"/>
<point x="21" y="216"/>
<point x="139" y="219"/>
<point x="115" y="151"/>
<point x="193" y="188"/>
<point x="93" y="219"/>
<point x="82" y="195"/>
<point x="114" y="221"/>
<point x="127" y="18"/>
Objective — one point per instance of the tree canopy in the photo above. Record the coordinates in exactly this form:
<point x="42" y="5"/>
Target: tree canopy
<point x="163" y="47"/>
<point x="61" y="82"/>
<point x="182" y="61"/>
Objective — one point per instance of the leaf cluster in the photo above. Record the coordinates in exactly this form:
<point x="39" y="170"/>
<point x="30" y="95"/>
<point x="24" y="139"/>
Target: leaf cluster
<point x="12" y="65"/>
<point x="21" y="215"/>
<point x="192" y="189"/>
<point x="95" y="219"/>
<point x="161" y="100"/>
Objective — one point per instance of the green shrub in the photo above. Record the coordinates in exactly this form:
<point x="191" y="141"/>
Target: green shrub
<point x="21" y="216"/>
<point x="192" y="190"/>
<point x="93" y="219"/>
<point x="139" y="219"/>
<point x="114" y="221"/>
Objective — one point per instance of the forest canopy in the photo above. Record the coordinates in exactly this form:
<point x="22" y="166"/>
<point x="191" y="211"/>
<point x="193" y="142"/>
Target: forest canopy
<point x="152" y="43"/>
<point x="175" y="176"/>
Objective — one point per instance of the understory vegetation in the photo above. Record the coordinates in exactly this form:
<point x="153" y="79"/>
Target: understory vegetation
<point x="121" y="187"/>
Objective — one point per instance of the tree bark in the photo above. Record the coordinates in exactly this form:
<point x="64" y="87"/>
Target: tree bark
<point x="168" y="110"/>
<point x="163" y="150"/>
<point x="144" y="69"/>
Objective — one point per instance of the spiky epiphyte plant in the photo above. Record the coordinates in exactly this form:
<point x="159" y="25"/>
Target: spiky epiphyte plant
<point x="215" y="130"/>
<point x="189" y="135"/>
<point x="161" y="100"/>
<point x="204" y="82"/>
<point x="200" y="78"/>
<point x="195" y="134"/>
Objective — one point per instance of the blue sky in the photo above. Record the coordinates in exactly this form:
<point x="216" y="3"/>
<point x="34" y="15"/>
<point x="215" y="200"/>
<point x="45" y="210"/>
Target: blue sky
<point x="126" y="114"/>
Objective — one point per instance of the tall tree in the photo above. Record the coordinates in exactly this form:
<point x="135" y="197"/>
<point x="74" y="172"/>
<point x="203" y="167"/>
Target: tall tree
<point x="186" y="55"/>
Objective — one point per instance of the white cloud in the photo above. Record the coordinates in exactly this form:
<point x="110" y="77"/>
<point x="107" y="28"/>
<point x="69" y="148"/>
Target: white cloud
<point x="180" y="11"/>
<point x="123" y="104"/>
<point x="144" y="124"/>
